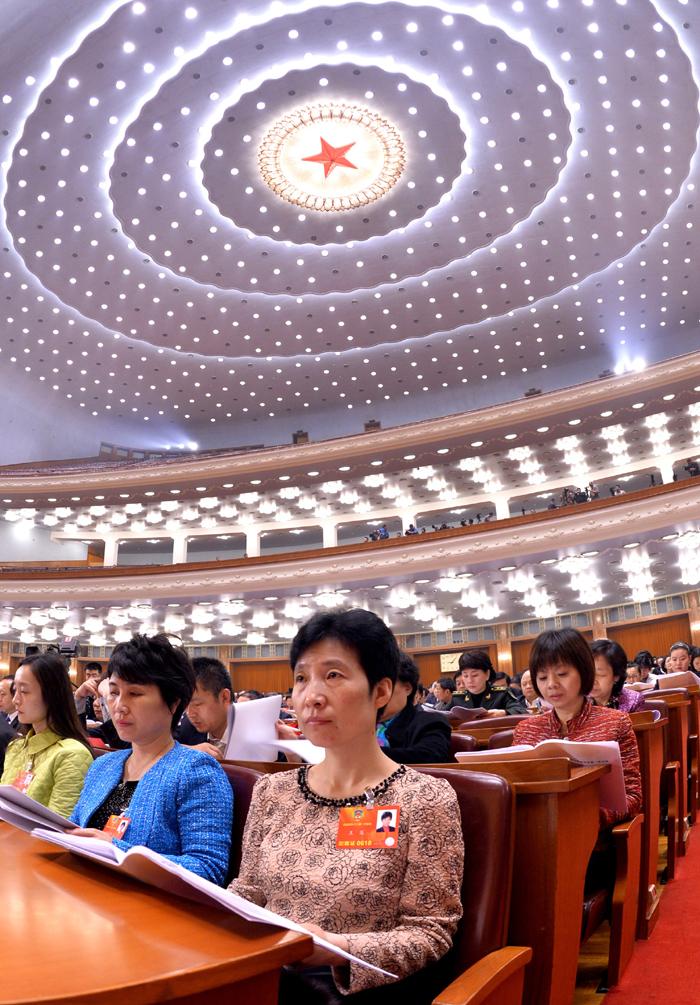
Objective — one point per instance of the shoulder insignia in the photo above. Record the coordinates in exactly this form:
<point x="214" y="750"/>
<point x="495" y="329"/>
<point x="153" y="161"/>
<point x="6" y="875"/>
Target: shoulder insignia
<point x="496" y="688"/>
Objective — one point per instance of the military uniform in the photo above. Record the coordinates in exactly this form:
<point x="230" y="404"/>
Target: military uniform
<point x="493" y="696"/>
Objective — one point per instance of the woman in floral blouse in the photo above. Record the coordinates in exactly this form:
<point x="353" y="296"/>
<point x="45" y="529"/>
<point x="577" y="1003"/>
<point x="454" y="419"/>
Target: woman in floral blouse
<point x="395" y="904"/>
<point x="563" y="673"/>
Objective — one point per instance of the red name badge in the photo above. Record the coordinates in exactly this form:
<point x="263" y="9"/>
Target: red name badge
<point x="116" y="826"/>
<point x="23" y="780"/>
<point x="359" y="827"/>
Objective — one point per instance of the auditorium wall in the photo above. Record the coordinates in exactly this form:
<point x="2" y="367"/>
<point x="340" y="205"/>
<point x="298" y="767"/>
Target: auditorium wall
<point x="655" y="634"/>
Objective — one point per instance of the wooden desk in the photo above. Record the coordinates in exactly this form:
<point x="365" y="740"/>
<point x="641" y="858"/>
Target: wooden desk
<point x="677" y="733"/>
<point x="650" y="742"/>
<point x="79" y="934"/>
<point x="556" y="827"/>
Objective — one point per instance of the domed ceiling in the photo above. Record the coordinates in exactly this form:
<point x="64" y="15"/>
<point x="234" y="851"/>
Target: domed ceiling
<point x="218" y="212"/>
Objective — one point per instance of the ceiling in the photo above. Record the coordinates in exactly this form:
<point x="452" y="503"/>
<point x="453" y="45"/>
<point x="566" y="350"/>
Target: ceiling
<point x="541" y="230"/>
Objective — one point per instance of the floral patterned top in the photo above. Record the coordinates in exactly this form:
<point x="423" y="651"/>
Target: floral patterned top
<point x="398" y="907"/>
<point x="594" y="724"/>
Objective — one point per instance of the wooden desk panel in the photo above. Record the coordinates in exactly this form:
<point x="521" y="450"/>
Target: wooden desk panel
<point x="677" y="733"/>
<point x="650" y="742"/>
<point x="77" y="933"/>
<point x="556" y="827"/>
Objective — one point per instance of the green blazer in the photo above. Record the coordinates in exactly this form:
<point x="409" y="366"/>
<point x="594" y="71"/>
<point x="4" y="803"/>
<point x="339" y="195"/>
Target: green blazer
<point x="59" y="768"/>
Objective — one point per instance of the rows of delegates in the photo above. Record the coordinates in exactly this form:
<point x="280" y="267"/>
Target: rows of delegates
<point x="356" y="694"/>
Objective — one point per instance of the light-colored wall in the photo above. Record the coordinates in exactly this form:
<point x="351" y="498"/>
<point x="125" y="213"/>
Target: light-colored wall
<point x="21" y="544"/>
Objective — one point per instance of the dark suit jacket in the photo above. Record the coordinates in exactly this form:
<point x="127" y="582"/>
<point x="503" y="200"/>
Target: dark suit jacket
<point x="7" y="734"/>
<point x="188" y="735"/>
<point x="418" y="737"/>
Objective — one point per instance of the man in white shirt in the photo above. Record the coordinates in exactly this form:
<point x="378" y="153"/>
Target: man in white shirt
<point x="205" y="726"/>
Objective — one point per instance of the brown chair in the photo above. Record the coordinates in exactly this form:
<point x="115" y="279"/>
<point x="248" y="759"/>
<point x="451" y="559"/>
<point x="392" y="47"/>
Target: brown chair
<point x="480" y="967"/>
<point x="502" y="739"/>
<point x="242" y="781"/>
<point x="460" y="742"/>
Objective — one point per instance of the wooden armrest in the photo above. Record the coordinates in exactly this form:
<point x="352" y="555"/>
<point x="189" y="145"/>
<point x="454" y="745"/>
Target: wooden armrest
<point x="497" y="979"/>
<point x="626" y="830"/>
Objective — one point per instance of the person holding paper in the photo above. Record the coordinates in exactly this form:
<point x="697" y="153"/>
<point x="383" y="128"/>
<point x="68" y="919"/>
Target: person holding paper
<point x="563" y="673"/>
<point x="174" y="800"/>
<point x="311" y="849"/>
<point x="610" y="675"/>
<point x="50" y="762"/>
<point x="478" y="675"/>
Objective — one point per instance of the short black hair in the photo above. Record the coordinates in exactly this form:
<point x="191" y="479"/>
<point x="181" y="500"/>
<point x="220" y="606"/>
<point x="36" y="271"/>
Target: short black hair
<point x="502" y="675"/>
<point x="408" y="673"/>
<point x="211" y="675"/>
<point x="385" y="814"/>
<point x="372" y="641"/>
<point x="447" y="683"/>
<point x="643" y="659"/>
<point x="155" y="660"/>
<point x="94" y="665"/>
<point x="477" y="659"/>
<point x="563" y="645"/>
<point x="616" y="657"/>
<point x="252" y="694"/>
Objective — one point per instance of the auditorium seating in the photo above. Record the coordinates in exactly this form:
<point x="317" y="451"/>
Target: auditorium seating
<point x="459" y="742"/>
<point x="480" y="968"/>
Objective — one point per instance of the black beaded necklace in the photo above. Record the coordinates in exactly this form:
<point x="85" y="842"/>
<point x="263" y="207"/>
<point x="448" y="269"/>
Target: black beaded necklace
<point x="369" y="795"/>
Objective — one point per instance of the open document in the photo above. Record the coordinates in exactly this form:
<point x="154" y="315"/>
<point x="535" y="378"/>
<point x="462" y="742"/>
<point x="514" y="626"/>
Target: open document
<point x="251" y="729"/>
<point x="157" y="870"/>
<point x="612" y="785"/>
<point x="20" y="810"/>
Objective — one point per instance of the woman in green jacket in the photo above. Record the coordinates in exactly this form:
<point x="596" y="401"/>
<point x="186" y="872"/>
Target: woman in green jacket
<point x="51" y="761"/>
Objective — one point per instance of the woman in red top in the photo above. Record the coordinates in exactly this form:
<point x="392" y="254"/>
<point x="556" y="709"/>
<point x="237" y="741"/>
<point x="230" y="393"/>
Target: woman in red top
<point x="563" y="673"/>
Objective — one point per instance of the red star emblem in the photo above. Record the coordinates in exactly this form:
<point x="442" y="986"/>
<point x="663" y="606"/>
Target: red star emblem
<point x="332" y="157"/>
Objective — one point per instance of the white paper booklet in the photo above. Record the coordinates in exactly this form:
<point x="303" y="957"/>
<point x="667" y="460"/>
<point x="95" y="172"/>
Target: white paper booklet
<point x="612" y="785"/>
<point x="251" y="728"/>
<point x="304" y="749"/>
<point x="20" y="810"/>
<point x="156" y="870"/>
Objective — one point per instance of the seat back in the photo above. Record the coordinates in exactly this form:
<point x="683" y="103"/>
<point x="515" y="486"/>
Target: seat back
<point x="461" y="741"/>
<point x="242" y="782"/>
<point x="510" y="720"/>
<point x="502" y="739"/>
<point x="487" y="808"/>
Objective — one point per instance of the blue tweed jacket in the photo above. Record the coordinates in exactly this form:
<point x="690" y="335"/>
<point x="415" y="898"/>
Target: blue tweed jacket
<point x="182" y="808"/>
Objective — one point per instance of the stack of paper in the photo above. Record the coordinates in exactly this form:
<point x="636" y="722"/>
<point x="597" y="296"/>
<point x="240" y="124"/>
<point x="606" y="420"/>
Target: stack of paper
<point x="22" y="811"/>
<point x="612" y="786"/>
<point x="251" y="729"/>
<point x="157" y="870"/>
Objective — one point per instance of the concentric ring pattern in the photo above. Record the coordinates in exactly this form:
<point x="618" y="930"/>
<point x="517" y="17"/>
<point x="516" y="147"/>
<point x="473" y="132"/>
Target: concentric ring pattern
<point x="544" y="144"/>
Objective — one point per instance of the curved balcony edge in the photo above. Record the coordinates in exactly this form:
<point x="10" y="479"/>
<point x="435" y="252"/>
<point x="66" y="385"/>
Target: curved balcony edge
<point x="618" y="518"/>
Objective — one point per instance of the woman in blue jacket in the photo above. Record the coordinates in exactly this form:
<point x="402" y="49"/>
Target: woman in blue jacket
<point x="174" y="800"/>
